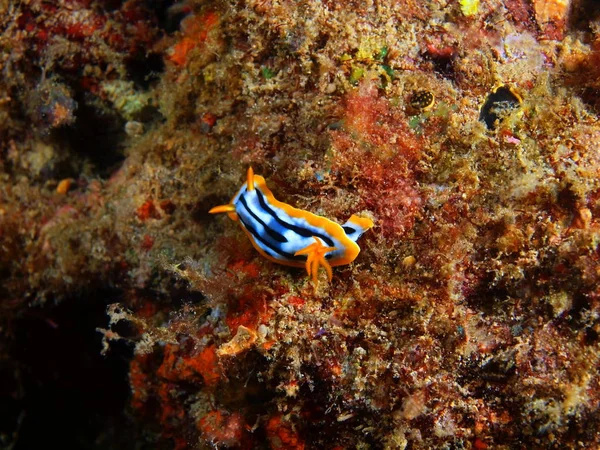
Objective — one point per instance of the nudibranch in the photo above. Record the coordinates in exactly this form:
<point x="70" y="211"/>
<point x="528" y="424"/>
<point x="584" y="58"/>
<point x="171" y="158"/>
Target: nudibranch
<point x="291" y="236"/>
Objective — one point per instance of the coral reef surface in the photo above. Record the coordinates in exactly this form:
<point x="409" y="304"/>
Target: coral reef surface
<point x="467" y="130"/>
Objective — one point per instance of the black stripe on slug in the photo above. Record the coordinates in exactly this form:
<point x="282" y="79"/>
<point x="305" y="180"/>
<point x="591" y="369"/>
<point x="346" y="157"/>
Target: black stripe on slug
<point x="265" y="244"/>
<point x="272" y="233"/>
<point x="348" y="230"/>
<point x="296" y="229"/>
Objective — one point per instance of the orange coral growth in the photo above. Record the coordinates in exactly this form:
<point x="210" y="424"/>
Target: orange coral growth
<point x="282" y="435"/>
<point x="203" y="365"/>
<point x="206" y="365"/>
<point x="249" y="269"/>
<point x="222" y="428"/>
<point x="268" y="345"/>
<point x="147" y="211"/>
<point x="207" y="121"/>
<point x="552" y="17"/>
<point x="249" y="309"/>
<point x="479" y="444"/>
<point x="138" y="379"/>
<point x="84" y="30"/>
<point x="147" y="310"/>
<point x="180" y="51"/>
<point x="296" y="301"/>
<point x="196" y="30"/>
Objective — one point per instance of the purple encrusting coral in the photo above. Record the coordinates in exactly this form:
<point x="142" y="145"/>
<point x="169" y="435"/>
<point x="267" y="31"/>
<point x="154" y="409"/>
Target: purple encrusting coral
<point x="471" y="317"/>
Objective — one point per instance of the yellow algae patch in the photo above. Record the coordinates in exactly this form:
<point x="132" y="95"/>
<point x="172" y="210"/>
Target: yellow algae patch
<point x="469" y="7"/>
